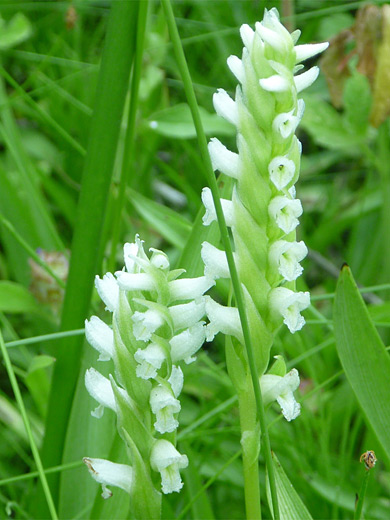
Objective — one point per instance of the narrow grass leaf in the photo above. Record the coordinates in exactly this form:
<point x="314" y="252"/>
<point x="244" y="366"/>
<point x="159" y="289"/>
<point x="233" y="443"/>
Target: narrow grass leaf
<point x="363" y="356"/>
<point x="290" y="504"/>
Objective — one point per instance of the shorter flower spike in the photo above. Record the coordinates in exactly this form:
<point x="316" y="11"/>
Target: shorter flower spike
<point x="281" y="389"/>
<point x="110" y="474"/>
<point x="135" y="281"/>
<point x="288" y="304"/>
<point x="168" y="462"/>
<point x="146" y="323"/>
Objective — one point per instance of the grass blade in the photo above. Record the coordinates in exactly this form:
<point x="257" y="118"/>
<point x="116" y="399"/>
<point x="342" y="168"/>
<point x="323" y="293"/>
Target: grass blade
<point x="363" y="356"/>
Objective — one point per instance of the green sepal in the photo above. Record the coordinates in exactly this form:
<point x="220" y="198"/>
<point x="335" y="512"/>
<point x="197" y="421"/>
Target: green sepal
<point x="236" y="363"/>
<point x="124" y="323"/>
<point x="125" y="370"/>
<point x="294" y="154"/>
<point x="145" y="499"/>
<point x="130" y="419"/>
<point x="175" y="273"/>
<point x="278" y="367"/>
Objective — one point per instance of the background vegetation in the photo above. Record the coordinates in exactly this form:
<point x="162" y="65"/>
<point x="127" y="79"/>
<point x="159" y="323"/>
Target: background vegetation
<point x="49" y="89"/>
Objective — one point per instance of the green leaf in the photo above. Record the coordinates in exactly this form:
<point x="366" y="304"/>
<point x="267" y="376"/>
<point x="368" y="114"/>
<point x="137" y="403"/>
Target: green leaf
<point x="176" y="122"/>
<point x="15" y="298"/>
<point x="291" y="506"/>
<point x="357" y="87"/>
<point x="16" y="31"/>
<point x="363" y="356"/>
<point x="172" y="226"/>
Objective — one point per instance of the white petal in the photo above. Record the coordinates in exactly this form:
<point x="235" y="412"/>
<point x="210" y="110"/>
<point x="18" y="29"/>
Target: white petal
<point x="235" y="65"/>
<point x="303" y="52"/>
<point x="222" y="319"/>
<point x="100" y="336"/>
<point x="215" y="262"/>
<point x="285" y="212"/>
<point x="286" y="123"/>
<point x="189" y="288"/>
<point x="168" y="461"/>
<point x="288" y="304"/>
<point x="275" y="83"/>
<point x="247" y="36"/>
<point x="210" y="215"/>
<point x="146" y="323"/>
<point x="305" y="79"/>
<point x="187" y="343"/>
<point x="187" y="314"/>
<point x="287" y="255"/>
<point x="99" y="387"/>
<point x="130" y="250"/>
<point x="109" y="473"/>
<point x="135" y="282"/>
<point x="159" y="259"/>
<point x="225" y="106"/>
<point x="150" y="360"/>
<point x="273" y="38"/>
<point x="279" y="388"/>
<point x="108" y="291"/>
<point x="164" y="405"/>
<point x="176" y="380"/>
<point x="224" y="160"/>
<point x="281" y="171"/>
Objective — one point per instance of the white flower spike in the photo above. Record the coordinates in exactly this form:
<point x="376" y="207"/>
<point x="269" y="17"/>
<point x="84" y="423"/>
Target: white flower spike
<point x="281" y="171"/>
<point x="150" y="360"/>
<point x="224" y="160"/>
<point x="100" y="336"/>
<point x="225" y="106"/>
<point x="164" y="405"/>
<point x="285" y="212"/>
<point x="108" y="291"/>
<point x="146" y="323"/>
<point x="210" y="215"/>
<point x="168" y="462"/>
<point x="287" y="255"/>
<point x="187" y="343"/>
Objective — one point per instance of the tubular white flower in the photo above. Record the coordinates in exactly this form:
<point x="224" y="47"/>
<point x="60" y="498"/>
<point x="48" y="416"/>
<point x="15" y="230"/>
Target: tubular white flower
<point x="168" y="461"/>
<point x="237" y="68"/>
<point x="285" y="212"/>
<point x="187" y="343"/>
<point x="303" y="52"/>
<point x="187" y="314"/>
<point x="150" y="360"/>
<point x="146" y="323"/>
<point x="99" y="387"/>
<point x="210" y="215"/>
<point x="275" y="83"/>
<point x="222" y="319"/>
<point x="109" y="473"/>
<point x="288" y="304"/>
<point x="247" y="36"/>
<point x="164" y="405"/>
<point x="100" y="336"/>
<point x="215" y="261"/>
<point x="306" y="79"/>
<point x="286" y="123"/>
<point x="281" y="389"/>
<point x="176" y="380"/>
<point x="287" y="255"/>
<point x="224" y="160"/>
<point x="135" y="281"/>
<point x="189" y="288"/>
<point x="225" y="106"/>
<point x="108" y="290"/>
<point x="159" y="259"/>
<point x="281" y="171"/>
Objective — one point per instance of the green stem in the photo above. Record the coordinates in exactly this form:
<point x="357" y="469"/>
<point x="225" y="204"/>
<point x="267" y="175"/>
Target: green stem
<point x="128" y="153"/>
<point x="102" y="147"/>
<point x="249" y="442"/>
<point x="27" y="425"/>
<point x="361" y="496"/>
<point x="202" y="142"/>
